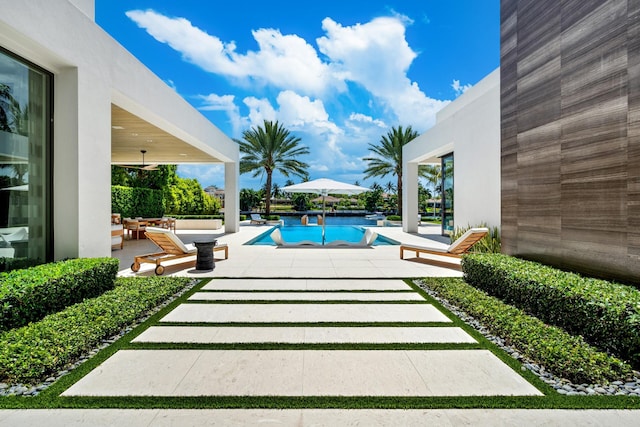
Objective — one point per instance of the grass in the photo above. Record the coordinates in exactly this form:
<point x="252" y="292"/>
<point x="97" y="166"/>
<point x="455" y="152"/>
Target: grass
<point x="551" y="400"/>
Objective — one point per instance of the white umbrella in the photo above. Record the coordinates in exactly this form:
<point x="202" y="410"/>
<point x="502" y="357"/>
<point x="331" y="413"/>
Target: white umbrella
<point x="324" y="187"/>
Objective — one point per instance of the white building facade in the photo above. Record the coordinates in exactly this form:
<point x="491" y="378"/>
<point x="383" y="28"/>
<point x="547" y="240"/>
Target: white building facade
<point x="467" y="136"/>
<point x="90" y="104"/>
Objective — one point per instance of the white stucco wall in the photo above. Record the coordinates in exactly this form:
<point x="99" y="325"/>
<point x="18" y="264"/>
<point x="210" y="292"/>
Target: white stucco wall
<point x="92" y="71"/>
<point x="470" y="128"/>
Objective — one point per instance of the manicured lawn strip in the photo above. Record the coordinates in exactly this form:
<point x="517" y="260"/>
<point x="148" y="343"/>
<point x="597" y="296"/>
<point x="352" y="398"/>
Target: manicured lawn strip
<point x="268" y="346"/>
<point x="306" y="324"/>
<point x="564" y="355"/>
<point x="338" y="402"/>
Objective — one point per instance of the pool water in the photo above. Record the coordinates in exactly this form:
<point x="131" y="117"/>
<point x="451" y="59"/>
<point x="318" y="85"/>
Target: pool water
<point x="297" y="233"/>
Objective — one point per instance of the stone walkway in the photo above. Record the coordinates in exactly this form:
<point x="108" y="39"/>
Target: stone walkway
<point x="303" y="372"/>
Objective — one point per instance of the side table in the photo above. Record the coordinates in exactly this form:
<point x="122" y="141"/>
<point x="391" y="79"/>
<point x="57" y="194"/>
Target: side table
<point x="204" y="256"/>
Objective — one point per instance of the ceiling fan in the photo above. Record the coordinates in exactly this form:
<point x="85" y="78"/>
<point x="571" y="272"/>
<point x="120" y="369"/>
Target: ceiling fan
<point x="152" y="167"/>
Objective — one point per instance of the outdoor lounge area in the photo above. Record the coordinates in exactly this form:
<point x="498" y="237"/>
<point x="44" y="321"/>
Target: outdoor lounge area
<point x="313" y="261"/>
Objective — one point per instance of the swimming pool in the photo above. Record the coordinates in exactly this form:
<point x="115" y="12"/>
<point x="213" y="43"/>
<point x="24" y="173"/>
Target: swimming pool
<point x="297" y="233"/>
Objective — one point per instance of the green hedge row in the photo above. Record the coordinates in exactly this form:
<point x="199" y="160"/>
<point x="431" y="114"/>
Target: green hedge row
<point x="30" y="294"/>
<point x="33" y="352"/>
<point x="565" y="355"/>
<point x="218" y="216"/>
<point x="132" y="202"/>
<point x="606" y="314"/>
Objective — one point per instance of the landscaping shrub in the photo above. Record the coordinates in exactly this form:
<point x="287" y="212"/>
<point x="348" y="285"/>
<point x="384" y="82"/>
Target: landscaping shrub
<point x="131" y="202"/>
<point x="565" y="355"/>
<point x="30" y="294"/>
<point x="394" y="218"/>
<point x="272" y="217"/>
<point x="199" y="216"/>
<point x="35" y="351"/>
<point x="606" y="314"/>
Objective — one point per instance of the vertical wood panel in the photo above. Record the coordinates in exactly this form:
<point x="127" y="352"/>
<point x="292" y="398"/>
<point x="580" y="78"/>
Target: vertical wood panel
<point x="571" y="133"/>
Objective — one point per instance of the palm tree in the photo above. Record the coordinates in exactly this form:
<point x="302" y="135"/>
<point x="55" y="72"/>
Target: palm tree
<point x="433" y="175"/>
<point x="271" y="148"/>
<point x="389" y="157"/>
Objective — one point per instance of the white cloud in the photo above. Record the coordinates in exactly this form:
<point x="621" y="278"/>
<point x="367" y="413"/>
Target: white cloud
<point x="377" y="56"/>
<point x="458" y="88"/>
<point x="284" y="61"/>
<point x="259" y="110"/>
<point x="213" y="102"/>
<point x="358" y="117"/>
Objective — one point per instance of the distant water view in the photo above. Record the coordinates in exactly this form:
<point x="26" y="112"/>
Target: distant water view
<point x="331" y="219"/>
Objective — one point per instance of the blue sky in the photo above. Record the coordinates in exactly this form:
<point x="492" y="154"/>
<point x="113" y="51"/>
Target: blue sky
<point x="337" y="74"/>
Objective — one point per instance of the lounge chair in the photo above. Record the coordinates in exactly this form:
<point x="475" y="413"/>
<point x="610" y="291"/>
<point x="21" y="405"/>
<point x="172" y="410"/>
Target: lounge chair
<point x="304" y="220"/>
<point x="172" y="248"/>
<point x="276" y="236"/>
<point x="257" y="219"/>
<point x="368" y="238"/>
<point x="320" y="220"/>
<point x="455" y="250"/>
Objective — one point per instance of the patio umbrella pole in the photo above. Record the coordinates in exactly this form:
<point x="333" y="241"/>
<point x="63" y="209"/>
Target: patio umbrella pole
<point x="323" y="219"/>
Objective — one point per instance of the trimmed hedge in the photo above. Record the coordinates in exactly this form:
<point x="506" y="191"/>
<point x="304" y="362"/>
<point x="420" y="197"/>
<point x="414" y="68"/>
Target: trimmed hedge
<point x="30" y="294"/>
<point x="33" y="352"/>
<point x="606" y="314"/>
<point x="565" y="355"/>
<point x="131" y="202"/>
<point x="198" y="217"/>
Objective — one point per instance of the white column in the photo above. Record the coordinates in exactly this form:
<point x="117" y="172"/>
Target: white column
<point x="82" y="159"/>
<point x="410" y="197"/>
<point x="231" y="197"/>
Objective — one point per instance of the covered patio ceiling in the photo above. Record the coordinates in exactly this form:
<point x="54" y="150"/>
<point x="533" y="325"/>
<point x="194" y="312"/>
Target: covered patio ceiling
<point x="130" y="134"/>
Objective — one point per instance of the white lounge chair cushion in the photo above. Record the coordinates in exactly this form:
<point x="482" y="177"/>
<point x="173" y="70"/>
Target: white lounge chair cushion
<point x="189" y="248"/>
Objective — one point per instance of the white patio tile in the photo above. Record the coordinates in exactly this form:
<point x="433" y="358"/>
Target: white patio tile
<point x="308" y="296"/>
<point x="308" y="335"/>
<point x="222" y="313"/>
<point x="302" y="372"/>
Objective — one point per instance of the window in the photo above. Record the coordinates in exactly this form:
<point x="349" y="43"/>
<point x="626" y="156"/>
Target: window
<point x="25" y="160"/>
<point x="447" y="194"/>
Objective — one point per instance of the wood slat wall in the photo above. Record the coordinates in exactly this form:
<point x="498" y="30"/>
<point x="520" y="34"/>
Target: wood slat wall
<point x="570" y="101"/>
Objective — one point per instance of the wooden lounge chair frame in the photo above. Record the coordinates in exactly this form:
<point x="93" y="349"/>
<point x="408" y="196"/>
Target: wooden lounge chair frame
<point x="172" y="248"/>
<point x="455" y="250"/>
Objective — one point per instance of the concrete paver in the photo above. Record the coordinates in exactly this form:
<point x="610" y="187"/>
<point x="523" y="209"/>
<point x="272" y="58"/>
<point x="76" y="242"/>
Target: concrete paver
<point x="306" y="296"/>
<point x="302" y="284"/>
<point x="318" y="417"/>
<point x="303" y="335"/>
<point x="302" y="373"/>
<point x="268" y="313"/>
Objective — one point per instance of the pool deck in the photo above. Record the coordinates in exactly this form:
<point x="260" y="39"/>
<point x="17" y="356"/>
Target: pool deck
<point x="261" y="261"/>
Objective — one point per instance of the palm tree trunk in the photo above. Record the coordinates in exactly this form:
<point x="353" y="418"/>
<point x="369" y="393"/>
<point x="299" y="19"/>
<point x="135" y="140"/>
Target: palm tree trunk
<point x="267" y="202"/>
<point x="399" y="187"/>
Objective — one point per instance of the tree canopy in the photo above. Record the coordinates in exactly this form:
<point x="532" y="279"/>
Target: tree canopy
<point x="269" y="148"/>
<point x="387" y="159"/>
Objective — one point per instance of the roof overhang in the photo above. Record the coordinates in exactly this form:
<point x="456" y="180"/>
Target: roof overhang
<point x="130" y="134"/>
